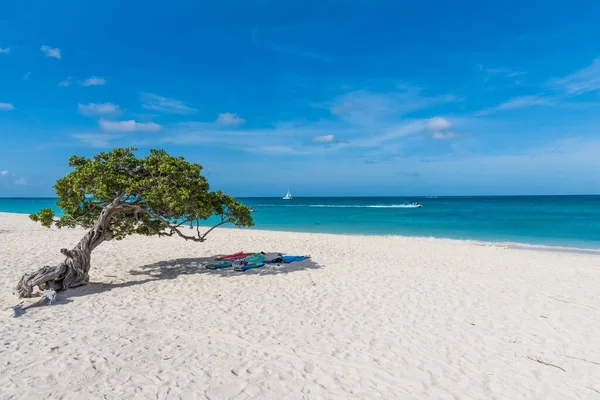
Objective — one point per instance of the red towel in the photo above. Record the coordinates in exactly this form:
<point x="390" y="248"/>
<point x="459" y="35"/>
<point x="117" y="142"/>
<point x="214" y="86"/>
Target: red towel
<point x="235" y="256"/>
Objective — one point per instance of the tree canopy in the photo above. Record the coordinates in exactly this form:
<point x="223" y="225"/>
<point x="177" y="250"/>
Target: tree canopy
<point x="156" y="195"/>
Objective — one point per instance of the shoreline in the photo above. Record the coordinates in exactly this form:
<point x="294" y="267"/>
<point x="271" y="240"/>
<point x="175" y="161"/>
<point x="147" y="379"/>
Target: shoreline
<point x="475" y="242"/>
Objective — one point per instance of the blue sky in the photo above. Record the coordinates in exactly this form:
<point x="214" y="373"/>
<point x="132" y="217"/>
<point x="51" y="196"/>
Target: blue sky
<point x="324" y="97"/>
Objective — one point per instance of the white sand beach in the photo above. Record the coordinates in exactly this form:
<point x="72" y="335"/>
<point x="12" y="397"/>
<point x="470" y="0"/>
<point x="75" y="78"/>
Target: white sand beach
<point x="366" y="318"/>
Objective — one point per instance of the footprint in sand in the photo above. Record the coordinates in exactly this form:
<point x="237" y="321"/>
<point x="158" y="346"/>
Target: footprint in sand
<point x="309" y="368"/>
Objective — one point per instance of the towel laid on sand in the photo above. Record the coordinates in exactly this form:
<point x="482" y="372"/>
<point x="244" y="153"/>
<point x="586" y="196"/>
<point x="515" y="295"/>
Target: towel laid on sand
<point x="219" y="265"/>
<point x="235" y="256"/>
<point x="284" y="259"/>
<point x="272" y="257"/>
<point x="244" y="261"/>
<point x="253" y="261"/>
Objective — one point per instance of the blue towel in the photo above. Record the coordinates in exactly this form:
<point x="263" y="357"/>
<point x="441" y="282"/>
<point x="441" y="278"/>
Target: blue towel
<point x="289" y="259"/>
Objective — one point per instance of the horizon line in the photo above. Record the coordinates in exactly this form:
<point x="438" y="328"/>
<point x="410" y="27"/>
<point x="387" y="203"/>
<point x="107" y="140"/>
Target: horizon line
<point x="366" y="197"/>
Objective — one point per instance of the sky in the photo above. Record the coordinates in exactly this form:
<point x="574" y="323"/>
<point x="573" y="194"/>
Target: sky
<point x="326" y="98"/>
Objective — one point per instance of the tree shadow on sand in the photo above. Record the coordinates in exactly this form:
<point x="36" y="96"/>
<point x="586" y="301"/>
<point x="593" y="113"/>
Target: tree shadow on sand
<point x="171" y="269"/>
<point x="194" y="266"/>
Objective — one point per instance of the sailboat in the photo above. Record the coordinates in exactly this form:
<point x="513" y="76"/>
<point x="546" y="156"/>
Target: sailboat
<point x="288" y="195"/>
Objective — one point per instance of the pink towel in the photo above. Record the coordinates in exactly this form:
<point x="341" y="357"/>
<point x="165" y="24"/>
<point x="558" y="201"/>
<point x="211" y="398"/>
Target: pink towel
<point x="235" y="256"/>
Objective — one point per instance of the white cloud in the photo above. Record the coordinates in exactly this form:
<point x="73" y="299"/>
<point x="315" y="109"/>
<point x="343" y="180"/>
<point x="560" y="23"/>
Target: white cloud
<point x="6" y="106"/>
<point x="438" y="124"/>
<point x="65" y="82"/>
<point x="151" y="101"/>
<point x="229" y="119"/>
<point x="444" y="135"/>
<point x="51" y="52"/>
<point x="128" y="126"/>
<point x="26" y="76"/>
<point x="324" y="139"/>
<point x="4" y="173"/>
<point x="92" y="109"/>
<point x="4" y="50"/>
<point x="582" y="81"/>
<point x="21" y="181"/>
<point x="94" y="81"/>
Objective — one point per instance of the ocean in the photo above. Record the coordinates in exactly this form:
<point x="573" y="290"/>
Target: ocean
<point x="572" y="221"/>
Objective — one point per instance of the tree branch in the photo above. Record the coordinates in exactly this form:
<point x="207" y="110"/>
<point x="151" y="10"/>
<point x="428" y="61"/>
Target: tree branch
<point x="223" y="221"/>
<point x="173" y="229"/>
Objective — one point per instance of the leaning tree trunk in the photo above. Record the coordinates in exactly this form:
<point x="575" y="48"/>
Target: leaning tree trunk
<point x="72" y="272"/>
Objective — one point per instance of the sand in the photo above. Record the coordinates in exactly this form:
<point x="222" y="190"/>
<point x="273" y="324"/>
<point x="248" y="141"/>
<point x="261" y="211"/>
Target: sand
<point x="367" y="318"/>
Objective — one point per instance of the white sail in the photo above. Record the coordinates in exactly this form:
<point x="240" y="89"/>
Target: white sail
<point x="288" y="195"/>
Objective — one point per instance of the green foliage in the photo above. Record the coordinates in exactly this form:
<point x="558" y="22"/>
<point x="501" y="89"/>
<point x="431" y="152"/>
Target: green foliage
<point x="158" y="193"/>
<point x="45" y="217"/>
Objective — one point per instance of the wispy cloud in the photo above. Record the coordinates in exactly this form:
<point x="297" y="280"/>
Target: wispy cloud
<point x="6" y="106"/>
<point x="502" y="72"/>
<point x="389" y="134"/>
<point x="151" y="101"/>
<point x="92" y="109"/>
<point x="27" y="76"/>
<point x="324" y="139"/>
<point x="4" y="50"/>
<point x="4" y="173"/>
<point x="438" y="124"/>
<point x="94" y="81"/>
<point x="229" y="119"/>
<point x="519" y="102"/>
<point x="444" y="135"/>
<point x="21" y="181"/>
<point x="558" y="92"/>
<point x="359" y="121"/>
<point x="585" y="80"/>
<point x="128" y="126"/>
<point x="369" y="109"/>
<point x="53" y="52"/>
<point x="65" y="82"/>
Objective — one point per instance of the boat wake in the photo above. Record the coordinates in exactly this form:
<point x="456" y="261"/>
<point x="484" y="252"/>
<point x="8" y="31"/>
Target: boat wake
<point x="342" y="205"/>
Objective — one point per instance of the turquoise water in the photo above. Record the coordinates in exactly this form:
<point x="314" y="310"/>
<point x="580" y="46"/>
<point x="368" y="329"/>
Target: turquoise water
<point x="548" y="220"/>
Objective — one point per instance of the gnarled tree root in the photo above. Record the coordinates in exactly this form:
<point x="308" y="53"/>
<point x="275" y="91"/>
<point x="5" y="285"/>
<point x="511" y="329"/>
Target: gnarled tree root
<point x="71" y="273"/>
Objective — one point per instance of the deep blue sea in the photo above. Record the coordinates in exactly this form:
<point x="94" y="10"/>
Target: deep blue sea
<point x="572" y="221"/>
